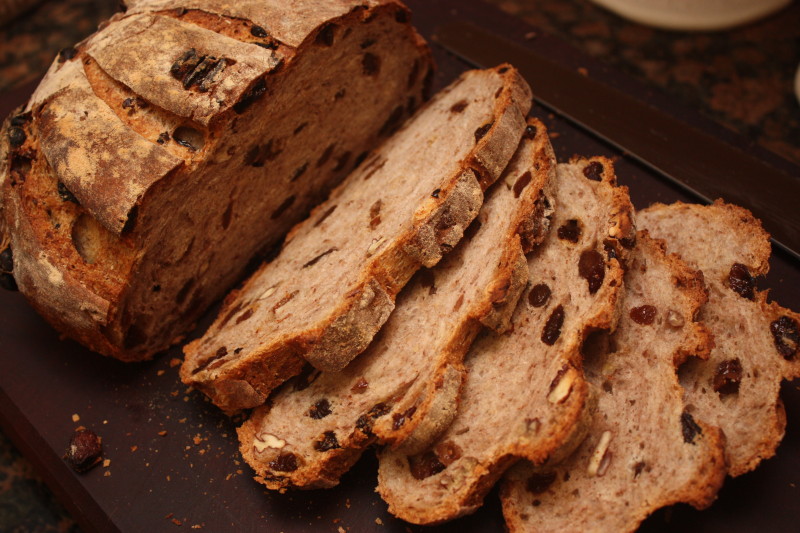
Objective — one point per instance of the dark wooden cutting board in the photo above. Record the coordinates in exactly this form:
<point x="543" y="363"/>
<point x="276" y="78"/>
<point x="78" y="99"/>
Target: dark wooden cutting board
<point x="173" y="457"/>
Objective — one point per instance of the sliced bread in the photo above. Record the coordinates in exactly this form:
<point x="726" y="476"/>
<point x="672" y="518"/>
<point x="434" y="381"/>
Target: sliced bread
<point x="402" y="389"/>
<point x="157" y="157"/>
<point x="757" y="341"/>
<point x="644" y="449"/>
<point x="334" y="283"/>
<point x="525" y="395"/>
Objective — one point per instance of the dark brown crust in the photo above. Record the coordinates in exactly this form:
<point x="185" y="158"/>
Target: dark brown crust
<point x="349" y="327"/>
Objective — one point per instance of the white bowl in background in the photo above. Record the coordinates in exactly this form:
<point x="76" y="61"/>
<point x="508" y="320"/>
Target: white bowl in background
<point x="693" y="15"/>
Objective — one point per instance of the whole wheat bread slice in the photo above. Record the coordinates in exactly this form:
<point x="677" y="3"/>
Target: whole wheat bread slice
<point x="644" y="449"/>
<point x="402" y="389"/>
<point x="334" y="283"/>
<point x="525" y="395"/>
<point x="738" y="387"/>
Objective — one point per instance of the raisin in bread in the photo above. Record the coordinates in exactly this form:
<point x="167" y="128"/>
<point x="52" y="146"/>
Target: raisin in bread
<point x="644" y="449"/>
<point x="159" y="155"/>
<point x="738" y="387"/>
<point x="402" y="389"/>
<point x="334" y="283"/>
<point x="525" y="395"/>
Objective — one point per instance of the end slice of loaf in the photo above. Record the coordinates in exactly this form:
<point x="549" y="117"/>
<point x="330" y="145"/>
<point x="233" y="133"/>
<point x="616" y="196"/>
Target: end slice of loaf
<point x="525" y="395"/>
<point x="334" y="283"/>
<point x="160" y="155"/>
<point x="402" y="389"/>
<point x="757" y="341"/>
<point x="644" y="449"/>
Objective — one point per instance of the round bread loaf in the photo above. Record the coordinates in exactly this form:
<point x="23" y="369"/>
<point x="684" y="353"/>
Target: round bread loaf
<point x="161" y="154"/>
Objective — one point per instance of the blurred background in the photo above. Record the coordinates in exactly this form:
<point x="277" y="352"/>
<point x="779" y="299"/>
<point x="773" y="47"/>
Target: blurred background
<point x="743" y="77"/>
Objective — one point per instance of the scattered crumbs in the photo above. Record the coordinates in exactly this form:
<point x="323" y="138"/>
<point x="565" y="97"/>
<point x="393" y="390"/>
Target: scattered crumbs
<point x="182" y="421"/>
<point x="202" y="452"/>
<point x="282" y="490"/>
<point x="107" y="473"/>
<point x="792" y="485"/>
<point x="228" y="477"/>
<point x="335" y="520"/>
<point x="197" y="526"/>
<point x="185" y="398"/>
<point x="187" y="448"/>
<point x="177" y="522"/>
<point x="75" y="417"/>
<point x="342" y="530"/>
<point x="105" y="421"/>
<point x="188" y="390"/>
<point x="168" y="478"/>
<point x="224" y="435"/>
<point x="170" y="515"/>
<point x="554" y="135"/>
<point x="236" y="462"/>
<point x="239" y="472"/>
<point x="379" y="521"/>
<point x="160" y="372"/>
<point x="147" y="464"/>
<point x="106" y="463"/>
<point x="134" y="448"/>
<point x="174" y="393"/>
<point x="197" y="439"/>
<point x="162" y="433"/>
<point x="582" y="71"/>
<point x="347" y="503"/>
<point x="531" y="35"/>
<point x="174" y="362"/>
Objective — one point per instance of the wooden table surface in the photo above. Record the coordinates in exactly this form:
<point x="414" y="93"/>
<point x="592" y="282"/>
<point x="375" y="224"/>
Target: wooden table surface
<point x="193" y="475"/>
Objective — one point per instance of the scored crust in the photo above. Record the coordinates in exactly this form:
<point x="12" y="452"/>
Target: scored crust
<point x="757" y="341"/>
<point x="402" y="390"/>
<point x="334" y="283"/>
<point x="165" y="151"/>
<point x="644" y="450"/>
<point x="525" y="395"/>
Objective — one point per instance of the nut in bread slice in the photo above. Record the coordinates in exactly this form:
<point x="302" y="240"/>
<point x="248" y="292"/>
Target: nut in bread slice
<point x="525" y="395"/>
<point x="402" y="390"/>
<point x="334" y="283"/>
<point x="644" y="449"/>
<point x="757" y="342"/>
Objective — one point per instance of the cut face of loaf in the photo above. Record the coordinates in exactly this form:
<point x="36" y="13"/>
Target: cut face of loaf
<point x="525" y="395"/>
<point x="644" y="450"/>
<point x="161" y="154"/>
<point x="402" y="390"/>
<point x="334" y="283"/>
<point x="756" y="342"/>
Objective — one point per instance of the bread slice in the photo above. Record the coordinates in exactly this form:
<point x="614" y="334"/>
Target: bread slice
<point x="644" y="449"/>
<point x="160" y="155"/>
<point x="402" y="389"/>
<point x="334" y="283"/>
<point x="757" y="341"/>
<point x="525" y="395"/>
